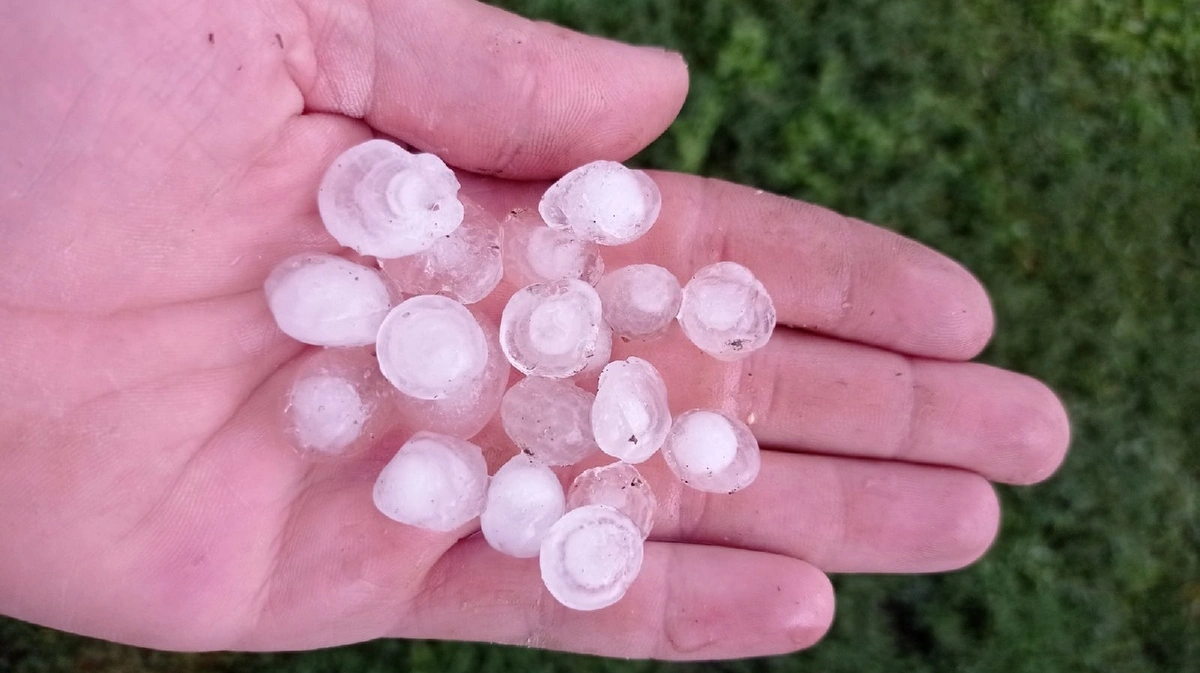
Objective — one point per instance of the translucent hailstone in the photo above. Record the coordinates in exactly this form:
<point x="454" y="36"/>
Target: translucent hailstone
<point x="464" y="265"/>
<point x="431" y="346"/>
<point x="589" y="376"/>
<point x="726" y="312"/>
<point x="640" y="300"/>
<point x="630" y="417"/>
<point x="603" y="202"/>
<point x="591" y="557"/>
<point x="549" y="419"/>
<point x="620" y="486"/>
<point x="325" y="300"/>
<point x="552" y="329"/>
<point x="337" y="403"/>
<point x="712" y="451"/>
<point x="434" y="482"/>
<point x="462" y="412"/>
<point x="523" y="501"/>
<point x="382" y="200"/>
<point x="535" y="253"/>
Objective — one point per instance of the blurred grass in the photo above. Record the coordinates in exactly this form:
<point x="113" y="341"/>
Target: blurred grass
<point x="1054" y="148"/>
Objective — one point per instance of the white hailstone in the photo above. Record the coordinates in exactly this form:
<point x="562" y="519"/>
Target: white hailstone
<point x="726" y="312"/>
<point x="552" y="329"/>
<point x="640" y="300"/>
<point x="463" y="412"/>
<point x="337" y="403"/>
<point x="712" y="451"/>
<point x="591" y="557"/>
<point x="523" y="502"/>
<point x="603" y="202"/>
<point x="549" y="419"/>
<point x="434" y="482"/>
<point x="535" y="253"/>
<point x="382" y="200"/>
<point x="325" y="300"/>
<point x="431" y="346"/>
<point x="630" y="417"/>
<point x="620" y="486"/>
<point x="464" y="265"/>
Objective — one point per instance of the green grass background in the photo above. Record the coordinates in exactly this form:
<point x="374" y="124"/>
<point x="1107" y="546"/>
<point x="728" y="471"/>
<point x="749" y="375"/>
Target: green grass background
<point x="1053" y="147"/>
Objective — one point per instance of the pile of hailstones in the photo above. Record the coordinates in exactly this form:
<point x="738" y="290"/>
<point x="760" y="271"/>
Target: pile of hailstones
<point x="431" y="362"/>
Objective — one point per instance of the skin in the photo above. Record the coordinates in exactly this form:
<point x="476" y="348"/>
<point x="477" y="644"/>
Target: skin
<point x="157" y="158"/>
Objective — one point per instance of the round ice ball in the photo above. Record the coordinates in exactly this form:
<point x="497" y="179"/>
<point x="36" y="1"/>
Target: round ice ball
<point x="523" y="501"/>
<point x="325" y="300"/>
<point x="552" y="329"/>
<point x="620" y="486"/>
<point x="549" y="419"/>
<point x="712" y="451"/>
<point x="726" y="312"/>
<point x="591" y="557"/>
<point x="430" y="346"/>
<point x="630" y="417"/>
<point x="434" y="482"/>
<point x="604" y="202"/>
<point x="640" y="300"/>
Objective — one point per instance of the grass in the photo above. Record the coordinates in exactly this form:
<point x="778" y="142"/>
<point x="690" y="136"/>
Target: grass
<point x="1054" y="148"/>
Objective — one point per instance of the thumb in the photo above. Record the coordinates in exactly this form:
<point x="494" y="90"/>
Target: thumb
<point x="486" y="90"/>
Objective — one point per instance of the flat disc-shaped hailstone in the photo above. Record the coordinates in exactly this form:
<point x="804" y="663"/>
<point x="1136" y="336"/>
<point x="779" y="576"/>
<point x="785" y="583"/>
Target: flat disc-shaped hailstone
<point x="431" y="346"/>
<point x="590" y="557"/>
<point x="603" y="202"/>
<point x="385" y="201"/>
<point x="325" y="300"/>
<point x="620" y="486"/>
<point x="549" y="419"/>
<point x="630" y="417"/>
<point x="712" y="451"/>
<point x="464" y="265"/>
<point x="640" y="300"/>
<point x="552" y="329"/>
<point x="726" y="312"/>
<point x="434" y="482"/>
<point x="524" y="500"/>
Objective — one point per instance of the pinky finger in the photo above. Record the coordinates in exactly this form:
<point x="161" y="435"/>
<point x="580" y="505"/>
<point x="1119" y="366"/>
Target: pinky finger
<point x="689" y="602"/>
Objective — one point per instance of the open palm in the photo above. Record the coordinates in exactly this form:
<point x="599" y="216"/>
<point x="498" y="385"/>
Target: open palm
<point x="158" y="157"/>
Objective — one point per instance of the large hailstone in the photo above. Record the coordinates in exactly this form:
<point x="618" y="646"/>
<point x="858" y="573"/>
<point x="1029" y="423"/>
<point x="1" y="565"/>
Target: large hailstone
<point x="620" y="486"/>
<point x="434" y="482"/>
<point x="464" y="265"/>
<point x="382" y="200"/>
<point x="337" y="403"/>
<point x="603" y="202"/>
<point x="523" y="502"/>
<point x="549" y="419"/>
<point x="325" y="300"/>
<point x="640" y="300"/>
<point x="552" y="329"/>
<point x="535" y="253"/>
<point x="591" y="557"/>
<point x="630" y="417"/>
<point x="712" y="451"/>
<point x="726" y="312"/>
<point x="431" y="346"/>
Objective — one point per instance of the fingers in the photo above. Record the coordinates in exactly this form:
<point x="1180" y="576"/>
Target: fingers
<point x="689" y="602"/>
<point x="826" y="273"/>
<point x="809" y="393"/>
<point x="485" y="90"/>
<point x="842" y="515"/>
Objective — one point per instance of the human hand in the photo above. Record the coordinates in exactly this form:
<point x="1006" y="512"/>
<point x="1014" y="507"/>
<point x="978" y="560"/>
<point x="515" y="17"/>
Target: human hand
<point x="159" y="158"/>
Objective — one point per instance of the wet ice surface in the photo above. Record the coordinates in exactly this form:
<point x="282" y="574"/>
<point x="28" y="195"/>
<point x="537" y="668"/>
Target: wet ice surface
<point x="603" y="202"/>
<point x="434" y="482"/>
<point x="620" y="486"/>
<point x="640" y="300"/>
<point x="325" y="300"/>
<point x="524" y="500"/>
<point x="589" y="376"/>
<point x="549" y="419"/>
<point x="464" y="265"/>
<point x="430" y="346"/>
<point x="712" y="451"/>
<point x="726" y="312"/>
<point x="337" y="403"/>
<point x="630" y="417"/>
<point x="464" y="411"/>
<point x="591" y="557"/>
<point x="552" y="329"/>
<point x="535" y="253"/>
<point x="381" y="200"/>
